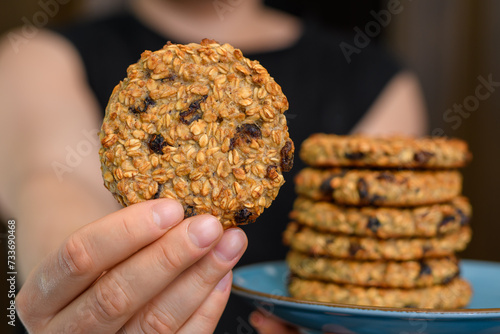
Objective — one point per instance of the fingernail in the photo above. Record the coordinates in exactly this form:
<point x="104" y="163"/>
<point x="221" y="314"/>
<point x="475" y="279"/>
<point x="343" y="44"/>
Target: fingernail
<point x="256" y="319"/>
<point x="224" y="282"/>
<point x="204" y="230"/>
<point x="231" y="244"/>
<point x="167" y="213"/>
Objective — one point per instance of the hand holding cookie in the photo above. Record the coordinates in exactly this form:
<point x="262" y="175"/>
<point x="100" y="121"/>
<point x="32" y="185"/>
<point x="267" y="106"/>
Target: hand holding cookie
<point x="139" y="284"/>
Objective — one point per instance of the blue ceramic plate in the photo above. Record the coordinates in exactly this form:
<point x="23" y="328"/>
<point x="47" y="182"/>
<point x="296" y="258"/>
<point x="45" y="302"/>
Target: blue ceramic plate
<point x="264" y="286"/>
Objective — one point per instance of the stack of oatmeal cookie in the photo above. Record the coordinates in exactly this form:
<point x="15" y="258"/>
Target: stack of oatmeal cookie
<point x="378" y="222"/>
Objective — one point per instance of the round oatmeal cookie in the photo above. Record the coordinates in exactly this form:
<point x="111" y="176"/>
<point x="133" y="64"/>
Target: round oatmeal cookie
<point x="201" y="124"/>
<point x="383" y="274"/>
<point x="328" y="150"/>
<point x="455" y="294"/>
<point x="307" y="240"/>
<point x="384" y="222"/>
<point x="379" y="187"/>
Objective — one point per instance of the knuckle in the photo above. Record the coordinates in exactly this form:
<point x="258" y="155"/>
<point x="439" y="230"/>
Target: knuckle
<point x="109" y="300"/>
<point x="202" y="281"/>
<point x="169" y="259"/>
<point x="74" y="257"/>
<point x="126" y="231"/>
<point x="155" y="321"/>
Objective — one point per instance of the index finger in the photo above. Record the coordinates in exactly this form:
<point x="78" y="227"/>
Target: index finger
<point x="88" y="252"/>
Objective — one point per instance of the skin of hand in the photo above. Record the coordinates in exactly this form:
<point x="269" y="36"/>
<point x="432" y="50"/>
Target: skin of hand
<point x="163" y="274"/>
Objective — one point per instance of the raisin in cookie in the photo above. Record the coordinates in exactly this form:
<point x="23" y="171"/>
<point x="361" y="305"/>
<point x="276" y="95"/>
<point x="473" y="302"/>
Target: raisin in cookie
<point x="307" y="240"/>
<point x="379" y="187"/>
<point x="328" y="150"/>
<point x="383" y="222"/>
<point x="383" y="274"/>
<point x="198" y="123"/>
<point x="455" y="294"/>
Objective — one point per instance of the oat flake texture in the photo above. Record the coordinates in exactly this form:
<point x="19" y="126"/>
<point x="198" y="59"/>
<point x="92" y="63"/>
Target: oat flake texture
<point x="198" y="123"/>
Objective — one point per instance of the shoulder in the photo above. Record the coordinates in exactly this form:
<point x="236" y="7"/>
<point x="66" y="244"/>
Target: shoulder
<point x="43" y="92"/>
<point x="41" y="77"/>
<point x="27" y="59"/>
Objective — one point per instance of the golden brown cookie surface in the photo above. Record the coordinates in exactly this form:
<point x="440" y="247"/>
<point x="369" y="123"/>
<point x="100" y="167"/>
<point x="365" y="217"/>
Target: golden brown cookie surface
<point x="382" y="222"/>
<point x="328" y="150"/>
<point x="201" y="124"/>
<point x="455" y="294"/>
<point x="307" y="240"/>
<point x="384" y="274"/>
<point x="379" y="187"/>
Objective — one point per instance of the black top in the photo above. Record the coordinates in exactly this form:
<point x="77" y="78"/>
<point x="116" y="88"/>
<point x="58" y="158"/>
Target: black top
<point x="326" y="94"/>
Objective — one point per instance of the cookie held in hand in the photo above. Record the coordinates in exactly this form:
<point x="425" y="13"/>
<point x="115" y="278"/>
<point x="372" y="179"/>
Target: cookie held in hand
<point x="201" y="124"/>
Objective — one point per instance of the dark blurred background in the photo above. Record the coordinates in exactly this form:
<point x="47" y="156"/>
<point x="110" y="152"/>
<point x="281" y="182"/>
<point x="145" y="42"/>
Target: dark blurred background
<point x="448" y="43"/>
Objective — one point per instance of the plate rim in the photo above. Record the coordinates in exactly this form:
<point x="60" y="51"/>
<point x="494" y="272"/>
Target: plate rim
<point x="239" y="290"/>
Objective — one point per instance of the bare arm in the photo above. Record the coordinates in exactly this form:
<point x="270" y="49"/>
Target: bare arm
<point x="48" y="112"/>
<point x="399" y="109"/>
